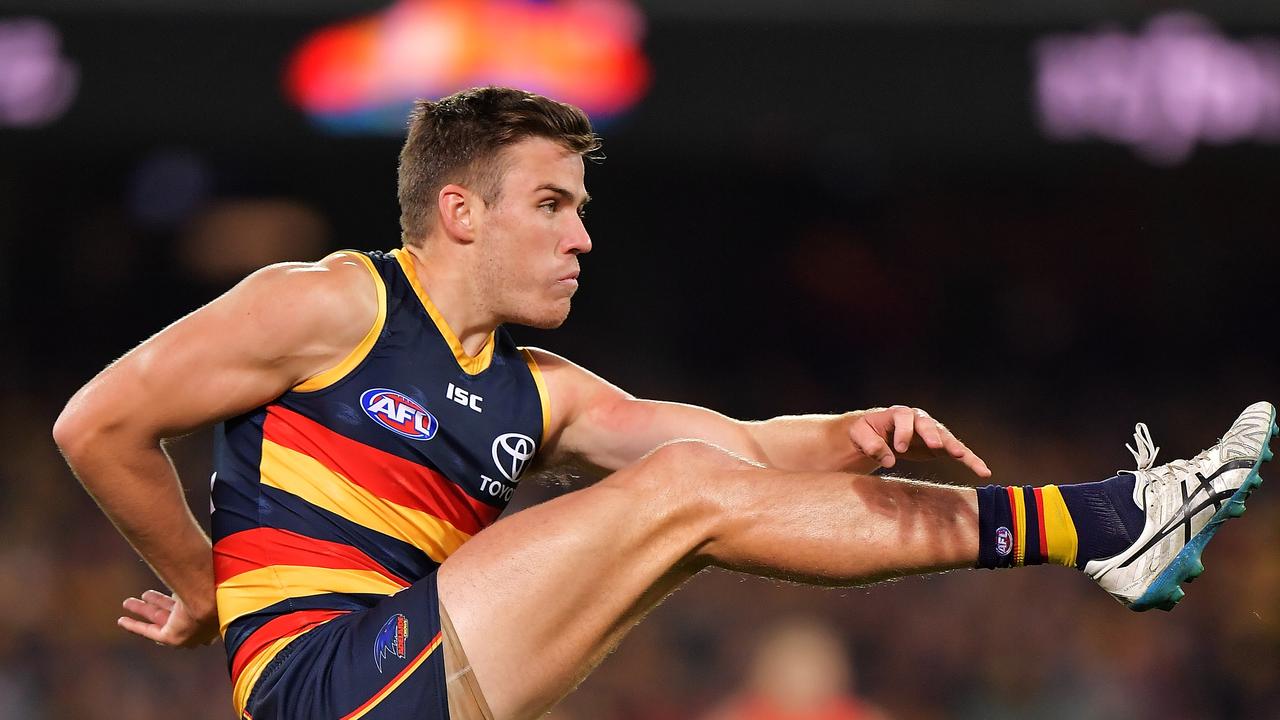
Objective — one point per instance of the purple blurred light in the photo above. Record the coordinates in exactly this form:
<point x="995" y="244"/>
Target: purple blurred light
<point x="1178" y="83"/>
<point x="37" y="84"/>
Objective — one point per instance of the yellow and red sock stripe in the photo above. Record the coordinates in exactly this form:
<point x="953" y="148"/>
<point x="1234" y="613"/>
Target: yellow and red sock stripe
<point x="1044" y="540"/>
<point x="1017" y="511"/>
<point x="1033" y="552"/>
<point x="1030" y="532"/>
<point x="1062" y="542"/>
<point x="1024" y="526"/>
<point x="1042" y="529"/>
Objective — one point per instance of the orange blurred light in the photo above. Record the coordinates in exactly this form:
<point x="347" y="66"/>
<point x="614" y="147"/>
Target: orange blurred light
<point x="361" y="75"/>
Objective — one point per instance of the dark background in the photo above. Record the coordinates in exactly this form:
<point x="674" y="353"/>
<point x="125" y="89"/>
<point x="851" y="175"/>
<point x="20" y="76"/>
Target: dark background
<point x="816" y="207"/>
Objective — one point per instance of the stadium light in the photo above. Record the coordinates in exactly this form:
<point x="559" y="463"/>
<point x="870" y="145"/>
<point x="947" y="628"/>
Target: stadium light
<point x="361" y="76"/>
<point x="37" y="84"/>
<point x="1177" y="83"/>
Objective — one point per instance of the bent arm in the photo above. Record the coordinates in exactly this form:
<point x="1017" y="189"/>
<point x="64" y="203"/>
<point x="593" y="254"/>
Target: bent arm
<point x="278" y="327"/>
<point x="596" y="424"/>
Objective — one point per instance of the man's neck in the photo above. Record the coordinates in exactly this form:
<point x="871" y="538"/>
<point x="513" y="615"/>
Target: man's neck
<point x="453" y="291"/>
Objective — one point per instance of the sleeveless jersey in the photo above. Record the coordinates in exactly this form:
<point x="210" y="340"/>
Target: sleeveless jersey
<point x="362" y="480"/>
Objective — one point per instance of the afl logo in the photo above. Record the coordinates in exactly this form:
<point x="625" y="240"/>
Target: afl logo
<point x="1004" y="541"/>
<point x="399" y="413"/>
<point x="511" y="453"/>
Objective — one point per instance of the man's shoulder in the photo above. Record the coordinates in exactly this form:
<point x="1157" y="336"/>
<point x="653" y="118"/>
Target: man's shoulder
<point x="337" y="294"/>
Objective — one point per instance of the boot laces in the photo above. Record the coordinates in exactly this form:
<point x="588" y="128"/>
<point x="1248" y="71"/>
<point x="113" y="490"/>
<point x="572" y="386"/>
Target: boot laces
<point x="1145" y="456"/>
<point x="1146" y="452"/>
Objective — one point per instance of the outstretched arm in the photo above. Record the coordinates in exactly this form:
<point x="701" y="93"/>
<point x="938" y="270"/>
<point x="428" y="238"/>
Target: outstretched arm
<point x="595" y="423"/>
<point x="275" y="329"/>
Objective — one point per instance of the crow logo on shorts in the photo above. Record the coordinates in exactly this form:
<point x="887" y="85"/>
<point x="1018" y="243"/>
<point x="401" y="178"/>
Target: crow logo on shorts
<point x="399" y="413"/>
<point x="391" y="639"/>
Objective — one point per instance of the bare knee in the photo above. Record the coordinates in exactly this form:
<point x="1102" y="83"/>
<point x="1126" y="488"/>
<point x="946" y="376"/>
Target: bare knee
<point x="683" y="481"/>
<point x="682" y="463"/>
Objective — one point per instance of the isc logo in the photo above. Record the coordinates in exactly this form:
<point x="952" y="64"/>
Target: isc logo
<point x="399" y="413"/>
<point x="464" y="398"/>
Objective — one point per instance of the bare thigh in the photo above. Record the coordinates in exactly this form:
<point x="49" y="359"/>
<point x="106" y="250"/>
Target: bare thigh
<point x="541" y="596"/>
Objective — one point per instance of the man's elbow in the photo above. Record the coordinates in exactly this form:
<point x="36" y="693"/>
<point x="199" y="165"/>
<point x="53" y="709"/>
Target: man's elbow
<point x="70" y="430"/>
<point x="79" y="428"/>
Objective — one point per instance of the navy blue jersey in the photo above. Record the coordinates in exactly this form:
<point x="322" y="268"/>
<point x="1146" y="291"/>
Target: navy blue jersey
<point x="361" y="480"/>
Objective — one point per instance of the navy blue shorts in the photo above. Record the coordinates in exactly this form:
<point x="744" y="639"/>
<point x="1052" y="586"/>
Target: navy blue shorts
<point x="384" y="662"/>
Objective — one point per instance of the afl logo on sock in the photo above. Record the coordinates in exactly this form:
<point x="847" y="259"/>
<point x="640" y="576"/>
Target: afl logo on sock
<point x="1004" y="541"/>
<point x="399" y="413"/>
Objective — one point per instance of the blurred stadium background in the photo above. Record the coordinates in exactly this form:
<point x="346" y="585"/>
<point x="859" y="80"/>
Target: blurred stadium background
<point x="1041" y="221"/>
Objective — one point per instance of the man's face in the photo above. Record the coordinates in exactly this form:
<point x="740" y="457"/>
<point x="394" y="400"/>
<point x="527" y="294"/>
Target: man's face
<point x="530" y="238"/>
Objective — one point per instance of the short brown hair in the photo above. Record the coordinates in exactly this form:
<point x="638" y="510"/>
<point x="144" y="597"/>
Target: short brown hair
<point x="458" y="138"/>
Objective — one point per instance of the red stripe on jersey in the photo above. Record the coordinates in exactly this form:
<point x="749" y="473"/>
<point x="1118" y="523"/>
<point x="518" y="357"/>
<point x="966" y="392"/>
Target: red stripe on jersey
<point x="262" y="547"/>
<point x="275" y="629"/>
<point x="388" y="476"/>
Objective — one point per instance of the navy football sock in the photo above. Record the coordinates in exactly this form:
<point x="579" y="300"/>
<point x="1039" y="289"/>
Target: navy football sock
<point x="1062" y="525"/>
<point x="1107" y="519"/>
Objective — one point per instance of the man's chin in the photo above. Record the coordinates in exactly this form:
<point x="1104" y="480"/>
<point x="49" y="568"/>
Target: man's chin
<point x="545" y="324"/>
<point x="549" y="320"/>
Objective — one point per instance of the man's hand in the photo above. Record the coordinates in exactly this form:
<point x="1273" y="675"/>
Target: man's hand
<point x="914" y="436"/>
<point x="167" y="621"/>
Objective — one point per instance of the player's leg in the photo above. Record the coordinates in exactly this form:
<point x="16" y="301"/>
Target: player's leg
<point x="541" y="596"/>
<point x="538" y="598"/>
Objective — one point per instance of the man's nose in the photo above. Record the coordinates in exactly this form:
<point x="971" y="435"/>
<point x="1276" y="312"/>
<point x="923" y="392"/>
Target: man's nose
<point x="580" y="241"/>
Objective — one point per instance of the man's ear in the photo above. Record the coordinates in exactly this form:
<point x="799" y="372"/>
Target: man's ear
<point x="457" y="206"/>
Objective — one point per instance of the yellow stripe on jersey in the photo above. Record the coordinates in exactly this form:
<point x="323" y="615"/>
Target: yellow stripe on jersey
<point x="542" y="393"/>
<point x="252" y="671"/>
<point x="1060" y="530"/>
<point x="257" y="589"/>
<point x="357" y="355"/>
<point x="1020" y="525"/>
<point x="305" y="477"/>
<point x="469" y="364"/>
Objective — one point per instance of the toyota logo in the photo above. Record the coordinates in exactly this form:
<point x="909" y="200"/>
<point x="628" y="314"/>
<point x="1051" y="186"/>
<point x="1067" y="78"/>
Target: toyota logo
<point x="511" y="453"/>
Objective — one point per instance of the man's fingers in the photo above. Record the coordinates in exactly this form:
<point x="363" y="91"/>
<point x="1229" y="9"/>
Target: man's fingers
<point x="952" y="445"/>
<point x="879" y="451"/>
<point x="977" y="465"/>
<point x="158" y="598"/>
<point x="155" y="633"/>
<point x="972" y="461"/>
<point x="930" y="430"/>
<point x="961" y="452"/>
<point x="149" y="611"/>
<point x="904" y="422"/>
<point x="900" y="425"/>
<point x="869" y="443"/>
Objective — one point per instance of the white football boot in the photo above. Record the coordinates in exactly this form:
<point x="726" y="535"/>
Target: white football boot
<point x="1185" y="502"/>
